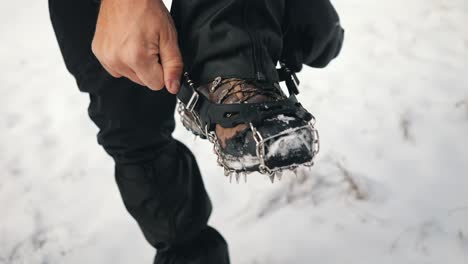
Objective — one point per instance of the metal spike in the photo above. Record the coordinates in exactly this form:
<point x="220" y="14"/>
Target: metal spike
<point x="295" y="172"/>
<point x="237" y="177"/>
<point x="272" y="178"/>
<point x="245" y="176"/>
<point x="226" y="172"/>
<point x="279" y="174"/>
<point x="230" y="177"/>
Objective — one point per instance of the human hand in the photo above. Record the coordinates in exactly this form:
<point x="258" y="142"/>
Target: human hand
<point x="137" y="39"/>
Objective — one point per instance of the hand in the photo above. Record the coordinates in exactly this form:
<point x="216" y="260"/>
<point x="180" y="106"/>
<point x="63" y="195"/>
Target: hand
<point x="137" y="39"/>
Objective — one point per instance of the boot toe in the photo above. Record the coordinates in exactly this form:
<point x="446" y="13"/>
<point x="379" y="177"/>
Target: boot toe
<point x="288" y="142"/>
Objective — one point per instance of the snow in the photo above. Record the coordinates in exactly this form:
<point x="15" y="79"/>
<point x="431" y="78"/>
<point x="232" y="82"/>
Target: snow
<point x="389" y="186"/>
<point x="285" y="119"/>
<point x="291" y="139"/>
<point x="240" y="163"/>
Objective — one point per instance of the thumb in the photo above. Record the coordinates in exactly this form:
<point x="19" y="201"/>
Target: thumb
<point x="172" y="65"/>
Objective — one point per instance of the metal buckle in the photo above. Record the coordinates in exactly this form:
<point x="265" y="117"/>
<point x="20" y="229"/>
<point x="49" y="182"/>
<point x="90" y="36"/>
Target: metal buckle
<point x="292" y="82"/>
<point x="295" y="79"/>
<point x="193" y="101"/>
<point x="293" y="74"/>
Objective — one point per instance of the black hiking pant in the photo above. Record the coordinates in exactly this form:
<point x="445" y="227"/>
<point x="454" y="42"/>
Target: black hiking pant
<point x="158" y="177"/>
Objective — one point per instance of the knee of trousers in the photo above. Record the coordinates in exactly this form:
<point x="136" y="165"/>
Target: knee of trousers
<point x="166" y="196"/>
<point x="133" y="121"/>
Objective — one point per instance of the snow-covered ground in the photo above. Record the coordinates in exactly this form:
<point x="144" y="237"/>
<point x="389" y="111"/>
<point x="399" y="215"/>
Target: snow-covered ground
<point x="390" y="185"/>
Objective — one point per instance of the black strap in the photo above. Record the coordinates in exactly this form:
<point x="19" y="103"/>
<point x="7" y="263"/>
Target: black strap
<point x="289" y="77"/>
<point x="231" y="115"/>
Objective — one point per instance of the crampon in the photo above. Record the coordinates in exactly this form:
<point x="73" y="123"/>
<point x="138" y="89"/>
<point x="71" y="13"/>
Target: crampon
<point x="253" y="125"/>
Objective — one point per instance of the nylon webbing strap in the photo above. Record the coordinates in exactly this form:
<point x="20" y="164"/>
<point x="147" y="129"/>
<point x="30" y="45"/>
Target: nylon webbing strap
<point x="290" y="78"/>
<point x="231" y="115"/>
<point x="189" y="97"/>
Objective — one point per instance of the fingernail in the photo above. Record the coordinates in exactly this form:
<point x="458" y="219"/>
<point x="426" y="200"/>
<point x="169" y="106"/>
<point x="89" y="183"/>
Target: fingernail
<point x="174" y="86"/>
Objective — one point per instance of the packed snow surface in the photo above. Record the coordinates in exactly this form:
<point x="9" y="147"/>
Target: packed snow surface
<point x="389" y="186"/>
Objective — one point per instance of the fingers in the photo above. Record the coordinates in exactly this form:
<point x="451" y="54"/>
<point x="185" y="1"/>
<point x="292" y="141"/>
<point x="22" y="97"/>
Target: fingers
<point x="135" y="63"/>
<point x="134" y="77"/>
<point x="140" y="63"/>
<point x="172" y="64"/>
<point x="150" y="72"/>
<point x="110" y="71"/>
<point x="127" y="72"/>
<point x="129" y="39"/>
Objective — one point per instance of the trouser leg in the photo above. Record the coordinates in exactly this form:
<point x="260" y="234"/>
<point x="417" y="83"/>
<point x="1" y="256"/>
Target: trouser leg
<point x="230" y="38"/>
<point x="132" y="120"/>
<point x="158" y="177"/>
<point x="312" y="34"/>
<point x="246" y="38"/>
<point x="236" y="38"/>
<point x="167" y="198"/>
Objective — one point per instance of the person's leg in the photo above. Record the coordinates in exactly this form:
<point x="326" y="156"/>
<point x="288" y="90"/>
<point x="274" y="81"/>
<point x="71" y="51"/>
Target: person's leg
<point x="246" y="38"/>
<point x="172" y="208"/>
<point x="230" y="50"/>
<point x="312" y="34"/>
<point x="230" y="38"/>
<point x="158" y="177"/>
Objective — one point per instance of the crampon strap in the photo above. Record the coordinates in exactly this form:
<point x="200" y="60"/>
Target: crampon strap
<point x="231" y="115"/>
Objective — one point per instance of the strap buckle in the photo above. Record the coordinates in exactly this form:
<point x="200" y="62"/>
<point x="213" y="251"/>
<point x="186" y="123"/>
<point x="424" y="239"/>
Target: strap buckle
<point x="193" y="101"/>
<point x="290" y="77"/>
<point x="295" y="79"/>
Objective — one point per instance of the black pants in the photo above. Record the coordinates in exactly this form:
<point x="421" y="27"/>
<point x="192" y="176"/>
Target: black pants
<point x="158" y="177"/>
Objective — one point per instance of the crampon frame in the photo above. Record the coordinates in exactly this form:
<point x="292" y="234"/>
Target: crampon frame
<point x="203" y="115"/>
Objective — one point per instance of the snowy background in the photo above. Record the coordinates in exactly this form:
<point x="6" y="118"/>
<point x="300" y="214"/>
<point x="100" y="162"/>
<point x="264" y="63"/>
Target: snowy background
<point x="390" y="185"/>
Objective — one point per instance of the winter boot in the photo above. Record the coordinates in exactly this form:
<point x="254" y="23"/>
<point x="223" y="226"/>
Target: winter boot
<point x="253" y="125"/>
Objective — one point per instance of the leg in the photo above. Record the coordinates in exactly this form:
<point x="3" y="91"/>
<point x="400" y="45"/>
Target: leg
<point x="217" y="38"/>
<point x="246" y="38"/>
<point x="158" y="177"/>
<point x="172" y="210"/>
<point x="230" y="38"/>
<point x="312" y="35"/>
